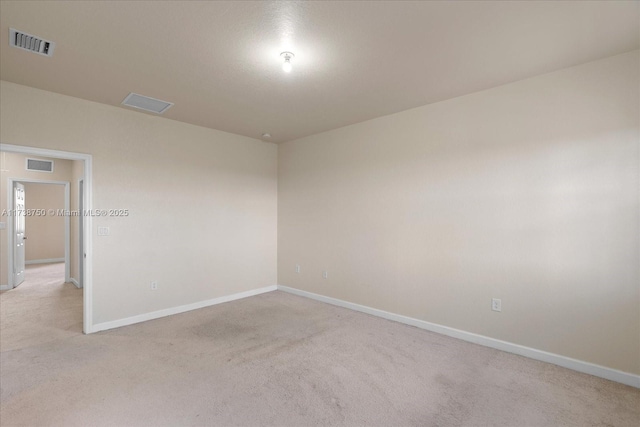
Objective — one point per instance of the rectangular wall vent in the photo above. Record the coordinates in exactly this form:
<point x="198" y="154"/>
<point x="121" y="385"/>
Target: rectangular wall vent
<point x="38" y="165"/>
<point x="145" y="103"/>
<point x="31" y="43"/>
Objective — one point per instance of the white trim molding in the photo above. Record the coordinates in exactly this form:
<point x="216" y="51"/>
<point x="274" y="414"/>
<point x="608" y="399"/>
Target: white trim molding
<point x="44" y="261"/>
<point x="632" y="380"/>
<point x="75" y="283"/>
<point x="180" y="309"/>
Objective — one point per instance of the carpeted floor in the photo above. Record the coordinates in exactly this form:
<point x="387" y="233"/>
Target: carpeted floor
<point x="42" y="309"/>
<point x="282" y="360"/>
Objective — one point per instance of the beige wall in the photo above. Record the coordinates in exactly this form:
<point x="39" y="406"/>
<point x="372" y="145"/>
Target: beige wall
<point x="13" y="165"/>
<point x="203" y="203"/>
<point x="527" y="192"/>
<point x="45" y="233"/>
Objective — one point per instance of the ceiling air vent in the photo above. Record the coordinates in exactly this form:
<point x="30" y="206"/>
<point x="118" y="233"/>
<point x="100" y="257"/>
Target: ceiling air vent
<point x="31" y="43"/>
<point x="147" y="104"/>
<point x="38" y="165"/>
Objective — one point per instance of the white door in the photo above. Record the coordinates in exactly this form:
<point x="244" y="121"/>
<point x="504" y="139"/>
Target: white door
<point x="20" y="216"/>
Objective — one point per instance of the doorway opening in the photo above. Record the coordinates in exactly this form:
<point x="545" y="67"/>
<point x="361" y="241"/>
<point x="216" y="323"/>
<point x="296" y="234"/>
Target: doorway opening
<point x="41" y="223"/>
<point x="77" y="259"/>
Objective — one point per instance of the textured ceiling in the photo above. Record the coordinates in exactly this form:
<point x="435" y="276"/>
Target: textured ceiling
<point x="219" y="61"/>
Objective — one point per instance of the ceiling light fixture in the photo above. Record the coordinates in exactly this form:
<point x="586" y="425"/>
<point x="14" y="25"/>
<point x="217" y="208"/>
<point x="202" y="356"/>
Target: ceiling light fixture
<point x="266" y="135"/>
<point x="288" y="56"/>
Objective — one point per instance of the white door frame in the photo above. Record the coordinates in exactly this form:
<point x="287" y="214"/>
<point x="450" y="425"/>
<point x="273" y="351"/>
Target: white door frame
<point x="11" y="224"/>
<point x="87" y="320"/>
<point x="81" y="251"/>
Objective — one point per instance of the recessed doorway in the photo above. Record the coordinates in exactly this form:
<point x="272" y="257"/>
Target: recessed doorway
<point x="78" y="271"/>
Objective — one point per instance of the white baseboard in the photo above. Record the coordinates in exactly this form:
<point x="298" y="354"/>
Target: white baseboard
<point x="632" y="380"/>
<point x="75" y="282"/>
<point x="180" y="309"/>
<point x="44" y="261"/>
<point x="5" y="288"/>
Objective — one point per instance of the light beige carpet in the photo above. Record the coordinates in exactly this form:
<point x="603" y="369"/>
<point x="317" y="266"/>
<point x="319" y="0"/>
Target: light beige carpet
<point x="282" y="360"/>
<point x="43" y="308"/>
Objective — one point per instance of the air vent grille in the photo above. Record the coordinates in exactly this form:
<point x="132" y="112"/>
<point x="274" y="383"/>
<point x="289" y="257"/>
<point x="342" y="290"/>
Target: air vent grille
<point x="145" y="103"/>
<point x="31" y="43"/>
<point x="38" y="165"/>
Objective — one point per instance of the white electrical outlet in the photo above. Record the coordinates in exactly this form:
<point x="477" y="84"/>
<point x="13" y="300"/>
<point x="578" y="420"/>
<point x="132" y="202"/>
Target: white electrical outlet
<point x="154" y="286"/>
<point x="103" y="231"/>
<point x="297" y="268"/>
<point x="496" y="304"/>
<point x="325" y="274"/>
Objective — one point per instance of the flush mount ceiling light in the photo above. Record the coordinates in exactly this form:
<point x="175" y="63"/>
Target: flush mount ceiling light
<point x="266" y="135"/>
<point x="288" y="56"/>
